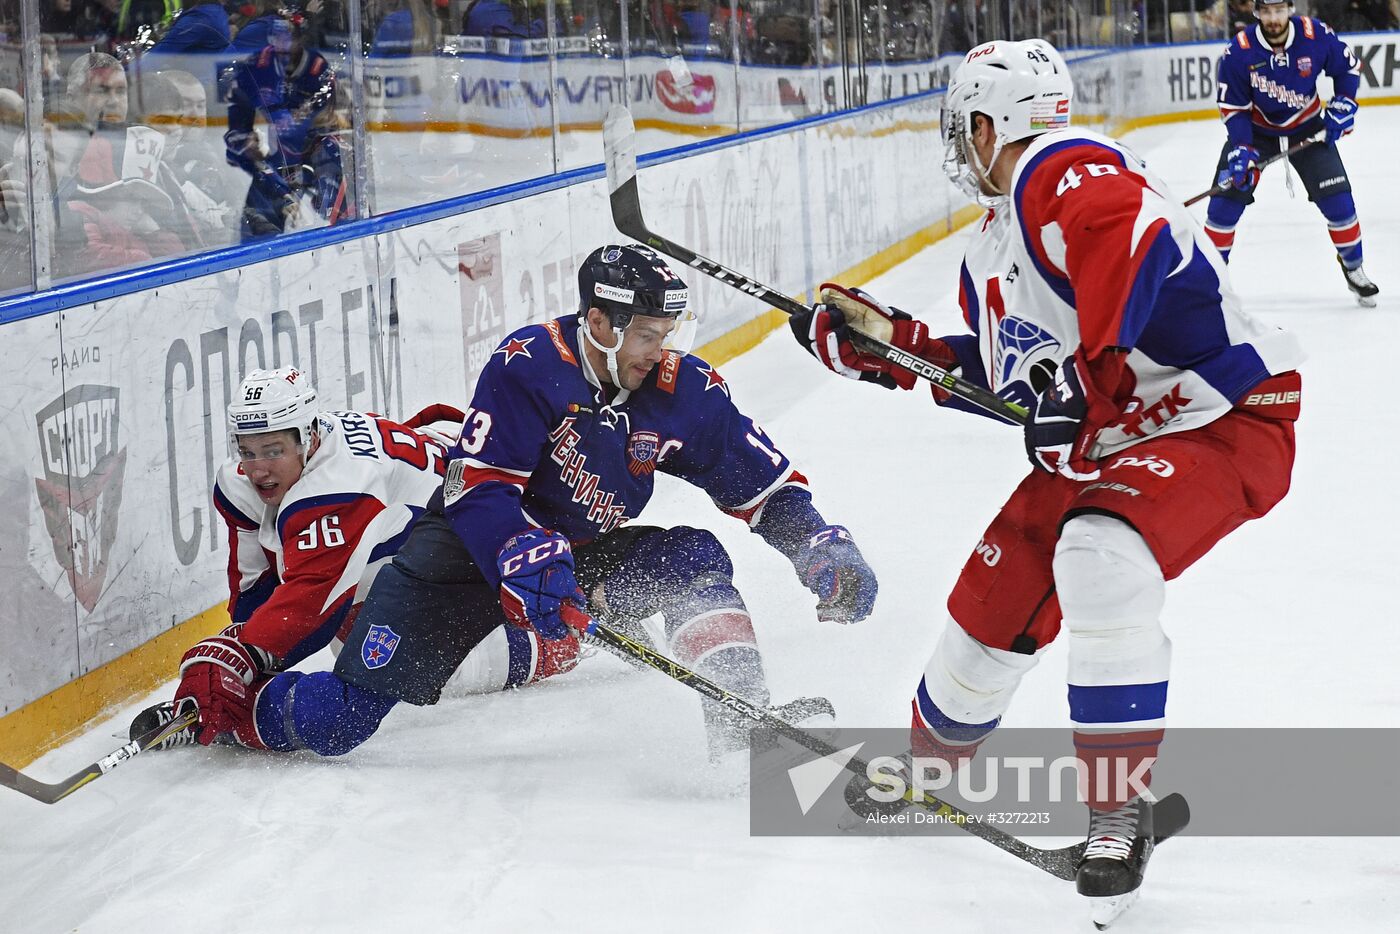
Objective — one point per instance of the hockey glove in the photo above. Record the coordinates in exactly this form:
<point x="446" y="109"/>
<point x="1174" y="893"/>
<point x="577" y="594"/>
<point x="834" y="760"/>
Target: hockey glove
<point x="1066" y="417"/>
<point x="222" y="678"/>
<point x="537" y="576"/>
<point x="1241" y="170"/>
<point x="825" y="332"/>
<point x="1340" y="117"/>
<point x="831" y="566"/>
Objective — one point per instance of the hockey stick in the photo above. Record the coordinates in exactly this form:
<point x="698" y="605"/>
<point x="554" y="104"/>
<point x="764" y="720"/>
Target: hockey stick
<point x="1171" y="811"/>
<point x="620" y="157"/>
<point x="1222" y="188"/>
<point x="53" y="793"/>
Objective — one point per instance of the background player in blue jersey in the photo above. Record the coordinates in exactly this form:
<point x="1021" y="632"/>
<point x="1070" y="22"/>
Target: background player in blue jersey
<point x="1267" y="90"/>
<point x="570" y="421"/>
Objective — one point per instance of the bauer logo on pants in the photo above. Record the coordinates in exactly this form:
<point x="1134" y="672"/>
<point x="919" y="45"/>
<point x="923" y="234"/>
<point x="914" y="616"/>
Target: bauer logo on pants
<point x="379" y="646"/>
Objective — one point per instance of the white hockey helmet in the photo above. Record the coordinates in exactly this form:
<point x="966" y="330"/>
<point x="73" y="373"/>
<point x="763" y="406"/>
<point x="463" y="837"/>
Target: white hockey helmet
<point x="274" y="400"/>
<point x="1023" y="87"/>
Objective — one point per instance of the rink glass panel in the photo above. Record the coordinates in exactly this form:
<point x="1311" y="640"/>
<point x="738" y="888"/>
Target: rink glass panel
<point x="431" y="103"/>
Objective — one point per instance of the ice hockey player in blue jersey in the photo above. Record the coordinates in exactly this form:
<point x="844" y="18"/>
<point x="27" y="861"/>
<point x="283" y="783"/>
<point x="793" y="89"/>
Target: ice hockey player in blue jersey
<point x="1267" y="91"/>
<point x="570" y="422"/>
<point x="293" y="87"/>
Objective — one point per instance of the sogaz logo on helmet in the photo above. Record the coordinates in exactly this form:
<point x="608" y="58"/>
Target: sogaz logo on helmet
<point x="677" y="298"/>
<point x="250" y="419"/>
<point x="613" y="293"/>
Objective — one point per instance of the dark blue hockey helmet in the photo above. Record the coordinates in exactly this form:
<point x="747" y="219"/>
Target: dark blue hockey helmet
<point x="629" y="280"/>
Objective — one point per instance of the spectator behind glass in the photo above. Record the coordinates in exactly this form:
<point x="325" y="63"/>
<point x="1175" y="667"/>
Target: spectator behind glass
<point x="408" y="28"/>
<point x="495" y="18"/>
<point x="174" y="106"/>
<point x="124" y="218"/>
<point x="292" y="88"/>
<point x="202" y="27"/>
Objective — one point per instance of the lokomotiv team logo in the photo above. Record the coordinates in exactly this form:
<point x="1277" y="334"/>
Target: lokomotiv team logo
<point x="641" y="452"/>
<point x="80" y="493"/>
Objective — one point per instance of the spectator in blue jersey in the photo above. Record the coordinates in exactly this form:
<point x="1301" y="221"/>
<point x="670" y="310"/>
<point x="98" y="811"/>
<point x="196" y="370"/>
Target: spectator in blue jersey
<point x="293" y="89"/>
<point x="202" y="27"/>
<point x="570" y="423"/>
<point x="1268" y="99"/>
<point x="494" y="18"/>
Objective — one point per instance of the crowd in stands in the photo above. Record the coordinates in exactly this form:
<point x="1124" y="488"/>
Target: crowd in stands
<point x="142" y="164"/>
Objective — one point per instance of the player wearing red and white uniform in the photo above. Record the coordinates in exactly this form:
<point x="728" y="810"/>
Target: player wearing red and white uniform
<point x="315" y="504"/>
<point x="1161" y="418"/>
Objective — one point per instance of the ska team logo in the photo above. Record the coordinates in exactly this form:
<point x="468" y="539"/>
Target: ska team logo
<point x="379" y="645"/>
<point x="641" y="452"/>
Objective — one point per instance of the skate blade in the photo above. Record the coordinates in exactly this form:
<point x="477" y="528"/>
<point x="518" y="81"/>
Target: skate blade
<point x="1366" y="301"/>
<point x="1110" y="908"/>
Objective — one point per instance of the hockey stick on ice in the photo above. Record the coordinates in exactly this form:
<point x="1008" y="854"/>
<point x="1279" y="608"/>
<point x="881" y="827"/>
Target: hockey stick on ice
<point x="1221" y="189"/>
<point x="1170" y="813"/>
<point x="620" y="157"/>
<point x="57" y="791"/>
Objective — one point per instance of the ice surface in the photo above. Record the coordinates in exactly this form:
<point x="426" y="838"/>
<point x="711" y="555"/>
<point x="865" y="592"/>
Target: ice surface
<point x="584" y="805"/>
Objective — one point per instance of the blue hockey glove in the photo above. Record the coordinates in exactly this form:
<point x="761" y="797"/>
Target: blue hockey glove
<point x="1241" y="170"/>
<point x="1340" y="117"/>
<point x="831" y="566"/>
<point x="1066" y="417"/>
<point x="537" y="576"/>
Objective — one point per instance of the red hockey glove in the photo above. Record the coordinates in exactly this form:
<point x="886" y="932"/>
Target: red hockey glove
<point x="825" y="332"/>
<point x="222" y="677"/>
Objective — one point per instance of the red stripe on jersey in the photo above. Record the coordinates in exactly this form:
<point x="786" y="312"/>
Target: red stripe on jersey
<point x="1242" y="37"/>
<point x="746" y="515"/>
<point x="565" y="354"/>
<point x="1307" y="26"/>
<point x="475" y="476"/>
<point x="317" y="541"/>
<point x="710" y="631"/>
<point x="1302" y="116"/>
<point x="668" y="372"/>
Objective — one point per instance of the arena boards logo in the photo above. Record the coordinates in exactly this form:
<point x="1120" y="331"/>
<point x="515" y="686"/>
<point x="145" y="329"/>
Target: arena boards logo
<point x="80" y="493"/>
<point x="697" y="97"/>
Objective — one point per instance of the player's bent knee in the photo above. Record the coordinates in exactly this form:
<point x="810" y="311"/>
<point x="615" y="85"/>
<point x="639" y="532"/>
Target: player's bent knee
<point x="320" y="712"/>
<point x="968" y="682"/>
<point x="1105" y="575"/>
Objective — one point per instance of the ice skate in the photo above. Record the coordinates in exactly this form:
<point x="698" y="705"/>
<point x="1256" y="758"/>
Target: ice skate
<point x="1360" y="284"/>
<point x="1119" y="845"/>
<point x="157" y="716"/>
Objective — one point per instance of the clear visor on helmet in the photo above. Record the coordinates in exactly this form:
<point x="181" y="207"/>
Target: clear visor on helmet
<point x="266" y="446"/>
<point x="682" y="336"/>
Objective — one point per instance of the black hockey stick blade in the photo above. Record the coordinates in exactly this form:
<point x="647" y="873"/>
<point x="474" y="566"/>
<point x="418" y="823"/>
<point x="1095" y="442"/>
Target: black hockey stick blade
<point x="1060" y="863"/>
<point x="1221" y="189"/>
<point x="52" y="793"/>
<point x="620" y="162"/>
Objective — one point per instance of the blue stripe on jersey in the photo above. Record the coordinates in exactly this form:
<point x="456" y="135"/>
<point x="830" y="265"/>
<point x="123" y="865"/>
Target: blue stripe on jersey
<point x="521" y="653"/>
<point x="226" y="507"/>
<point x="1149" y="286"/>
<point x="321" y="637"/>
<point x="1059" y="283"/>
<point x="331" y="499"/>
<point x="1191" y="333"/>
<point x="973" y="311"/>
<point x="391" y="547"/>
<point x="1117" y="703"/>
